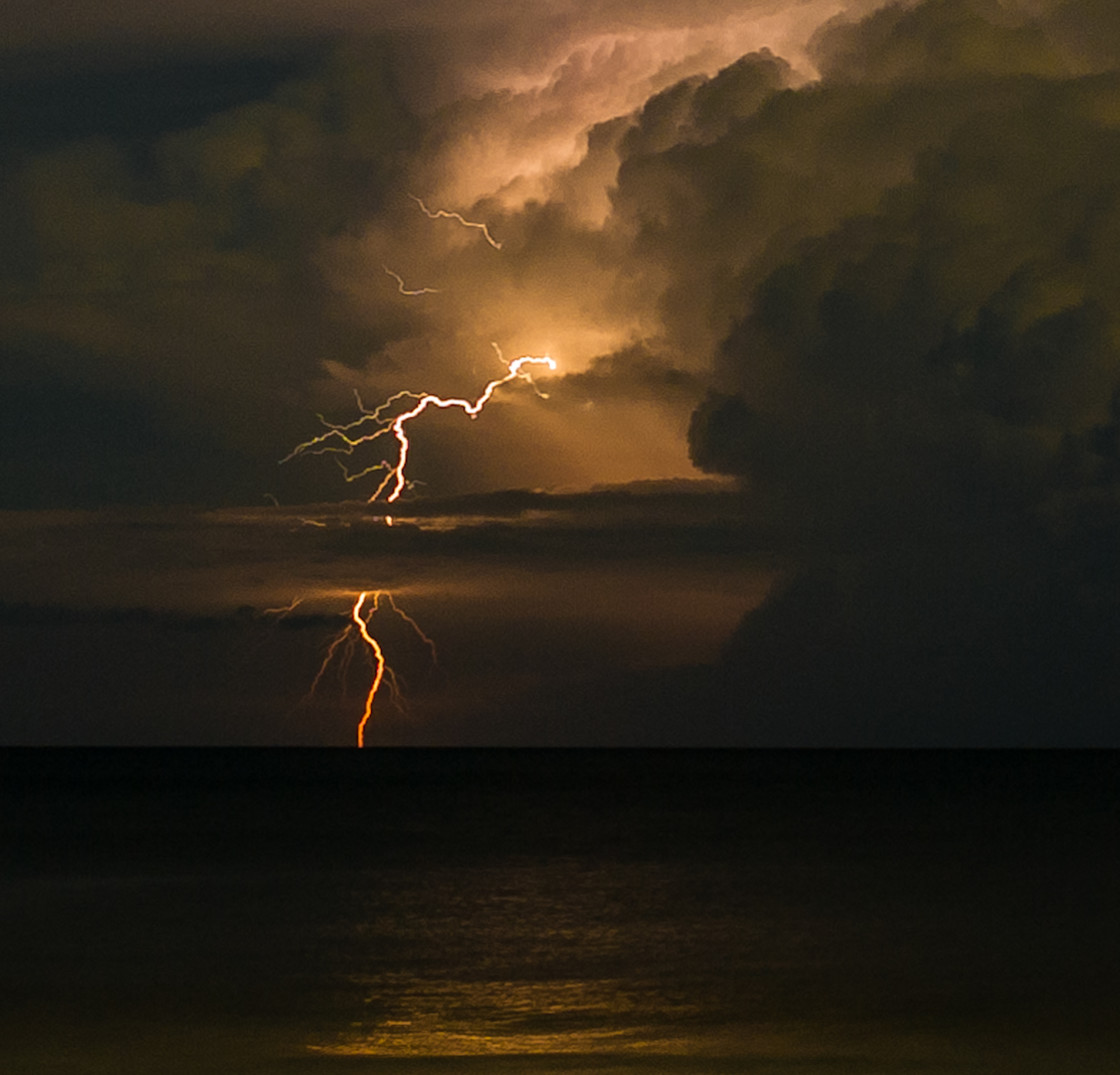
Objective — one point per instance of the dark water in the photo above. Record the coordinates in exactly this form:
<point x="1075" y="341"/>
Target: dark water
<point x="692" y="912"/>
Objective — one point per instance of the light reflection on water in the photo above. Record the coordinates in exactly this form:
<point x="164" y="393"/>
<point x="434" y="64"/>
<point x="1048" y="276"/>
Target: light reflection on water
<point x="405" y="917"/>
<point x="573" y="956"/>
<point x="454" y="1018"/>
<point x="522" y="958"/>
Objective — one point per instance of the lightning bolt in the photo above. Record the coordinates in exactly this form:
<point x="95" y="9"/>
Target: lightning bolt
<point x="372" y="425"/>
<point x="378" y="662"/>
<point x="410" y="621"/>
<point x="358" y="628"/>
<point x="409" y="291"/>
<point x="436" y="214"/>
<point x="285" y="609"/>
<point x="336" y="643"/>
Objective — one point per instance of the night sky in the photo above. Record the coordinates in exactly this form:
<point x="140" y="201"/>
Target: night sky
<point x="830" y="457"/>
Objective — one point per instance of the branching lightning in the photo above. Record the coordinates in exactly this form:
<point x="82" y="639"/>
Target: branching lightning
<point x="436" y="214"/>
<point x="410" y="290"/>
<point x="378" y="662"/>
<point x="376" y="423"/>
<point x="283" y="610"/>
<point x="358" y="629"/>
<point x="409" y="620"/>
<point x="372" y="425"/>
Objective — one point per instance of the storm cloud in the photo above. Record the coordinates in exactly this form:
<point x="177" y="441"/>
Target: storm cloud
<point x="949" y="346"/>
<point x="927" y="387"/>
<point x="200" y="208"/>
<point x="861" y="258"/>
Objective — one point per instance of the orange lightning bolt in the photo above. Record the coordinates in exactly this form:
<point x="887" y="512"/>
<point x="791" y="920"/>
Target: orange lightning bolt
<point x="378" y="662"/>
<point x="383" y="675"/>
<point x="346" y="438"/>
<point x="436" y="214"/>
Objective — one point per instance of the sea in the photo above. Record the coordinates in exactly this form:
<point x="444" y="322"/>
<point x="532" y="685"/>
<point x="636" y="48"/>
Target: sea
<point x="422" y="912"/>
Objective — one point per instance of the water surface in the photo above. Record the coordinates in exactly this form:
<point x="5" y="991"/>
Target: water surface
<point x="446" y="911"/>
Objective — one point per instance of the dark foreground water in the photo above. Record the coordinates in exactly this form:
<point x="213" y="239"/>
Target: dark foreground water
<point x="457" y="911"/>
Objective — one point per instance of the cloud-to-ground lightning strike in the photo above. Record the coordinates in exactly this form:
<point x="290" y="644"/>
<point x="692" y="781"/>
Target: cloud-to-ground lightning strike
<point x="378" y="662"/>
<point x="409" y="290"/>
<point x="382" y="673"/>
<point x="436" y="214"/>
<point x="346" y="438"/>
<point x="371" y="425"/>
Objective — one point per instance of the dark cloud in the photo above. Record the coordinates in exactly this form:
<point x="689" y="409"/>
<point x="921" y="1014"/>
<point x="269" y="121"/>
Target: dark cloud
<point x="178" y="270"/>
<point x="979" y="642"/>
<point x="711" y="215"/>
<point x="964" y="326"/>
<point x="924" y="387"/>
<point x="137" y="102"/>
<point x="700" y="110"/>
<point x="936" y="41"/>
<point x="81" y="445"/>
